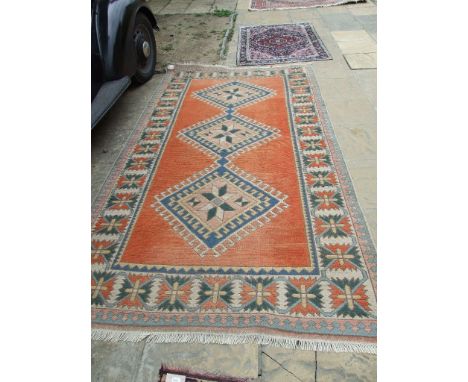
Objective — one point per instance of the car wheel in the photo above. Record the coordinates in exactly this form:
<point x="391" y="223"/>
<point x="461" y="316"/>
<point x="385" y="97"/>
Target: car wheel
<point x="145" y="45"/>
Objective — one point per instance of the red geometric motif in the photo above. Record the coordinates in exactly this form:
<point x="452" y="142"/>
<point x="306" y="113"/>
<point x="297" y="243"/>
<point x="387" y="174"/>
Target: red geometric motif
<point x="139" y="163"/>
<point x="317" y="160"/>
<point x="340" y="257"/>
<point x="146" y="149"/>
<point x="327" y="200"/>
<point x="321" y="179"/>
<point x="101" y="287"/>
<point x="349" y="298"/>
<point x="121" y="201"/>
<point x="259" y="294"/>
<point x="129" y="181"/>
<point x="333" y="226"/>
<point x="100" y="251"/>
<point x="173" y="292"/>
<point x="107" y="224"/>
<point x="134" y="291"/>
<point x="313" y="144"/>
<point x="216" y="293"/>
<point x="303" y="286"/>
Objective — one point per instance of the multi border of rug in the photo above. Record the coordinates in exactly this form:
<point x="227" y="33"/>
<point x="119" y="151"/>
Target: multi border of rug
<point x="280" y="43"/>
<point x="267" y="5"/>
<point x="230" y="218"/>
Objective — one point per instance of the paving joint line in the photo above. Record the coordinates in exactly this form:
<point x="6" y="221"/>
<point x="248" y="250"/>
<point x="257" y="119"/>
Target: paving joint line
<point x="290" y="372"/>
<point x="316" y="367"/>
<point x="140" y="365"/>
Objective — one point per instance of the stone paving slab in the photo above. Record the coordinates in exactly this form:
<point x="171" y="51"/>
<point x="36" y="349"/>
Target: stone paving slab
<point x="274" y="372"/>
<point x="364" y="176"/>
<point x="243" y="5"/>
<point x="358" y="143"/>
<point x="346" y="367"/>
<point x="301" y="363"/>
<point x="338" y="9"/>
<point x="173" y="7"/>
<point x="361" y="60"/>
<point x="200" y="6"/>
<point x="367" y="80"/>
<point x="341" y="22"/>
<point x="158" y="5"/>
<point x="113" y="362"/>
<point x="348" y="111"/>
<point x="298" y="15"/>
<point x="228" y="360"/>
<point x="357" y="11"/>
<point x="355" y="41"/>
<point x="229" y="5"/>
<point x="369" y="23"/>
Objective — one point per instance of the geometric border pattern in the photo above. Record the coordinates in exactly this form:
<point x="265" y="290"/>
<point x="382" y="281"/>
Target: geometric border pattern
<point x="338" y="303"/>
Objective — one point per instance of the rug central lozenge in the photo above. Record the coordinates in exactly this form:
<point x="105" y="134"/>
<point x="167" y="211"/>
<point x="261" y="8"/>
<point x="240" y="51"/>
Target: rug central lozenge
<point x="231" y="218"/>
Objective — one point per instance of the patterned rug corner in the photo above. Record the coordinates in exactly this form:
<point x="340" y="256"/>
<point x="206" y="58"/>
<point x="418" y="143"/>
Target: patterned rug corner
<point x="277" y="44"/>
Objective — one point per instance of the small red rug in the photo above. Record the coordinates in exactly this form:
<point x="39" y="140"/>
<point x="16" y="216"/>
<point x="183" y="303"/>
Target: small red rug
<point x="231" y="218"/>
<point x="264" y="5"/>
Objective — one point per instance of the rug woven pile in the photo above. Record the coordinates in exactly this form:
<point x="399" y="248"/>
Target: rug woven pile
<point x="265" y="5"/>
<point x="277" y="44"/>
<point x="230" y="218"/>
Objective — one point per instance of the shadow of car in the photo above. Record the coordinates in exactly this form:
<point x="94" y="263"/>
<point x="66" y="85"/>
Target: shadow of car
<point x="123" y="50"/>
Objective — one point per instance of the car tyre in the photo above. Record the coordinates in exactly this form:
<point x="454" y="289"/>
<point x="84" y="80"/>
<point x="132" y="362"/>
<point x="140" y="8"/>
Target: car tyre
<point x="145" y="46"/>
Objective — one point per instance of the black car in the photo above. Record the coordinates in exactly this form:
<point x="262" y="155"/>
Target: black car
<point x="123" y="50"/>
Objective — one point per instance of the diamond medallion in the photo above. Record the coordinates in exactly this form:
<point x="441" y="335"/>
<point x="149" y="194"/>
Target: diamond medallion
<point x="220" y="205"/>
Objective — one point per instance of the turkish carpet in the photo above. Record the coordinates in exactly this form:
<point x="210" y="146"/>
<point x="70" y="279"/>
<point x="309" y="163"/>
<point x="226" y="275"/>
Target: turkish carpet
<point x="265" y="5"/>
<point x="230" y="218"/>
<point x="276" y="44"/>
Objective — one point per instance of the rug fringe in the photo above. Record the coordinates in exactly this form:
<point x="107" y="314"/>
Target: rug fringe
<point x="343" y="2"/>
<point x="232" y="339"/>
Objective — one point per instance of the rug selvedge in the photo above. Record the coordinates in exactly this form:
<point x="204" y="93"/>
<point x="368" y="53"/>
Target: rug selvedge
<point x="335" y="303"/>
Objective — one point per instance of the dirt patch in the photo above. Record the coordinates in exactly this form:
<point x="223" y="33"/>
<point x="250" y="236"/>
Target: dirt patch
<point x="190" y="38"/>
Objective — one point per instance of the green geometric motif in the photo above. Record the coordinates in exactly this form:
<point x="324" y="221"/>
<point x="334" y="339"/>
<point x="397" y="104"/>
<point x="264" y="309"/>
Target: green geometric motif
<point x="224" y="293"/>
<point x="173" y="294"/>
<point x="260" y="294"/>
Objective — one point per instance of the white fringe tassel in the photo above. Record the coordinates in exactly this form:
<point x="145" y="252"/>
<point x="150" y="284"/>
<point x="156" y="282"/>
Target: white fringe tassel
<point x="232" y="339"/>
